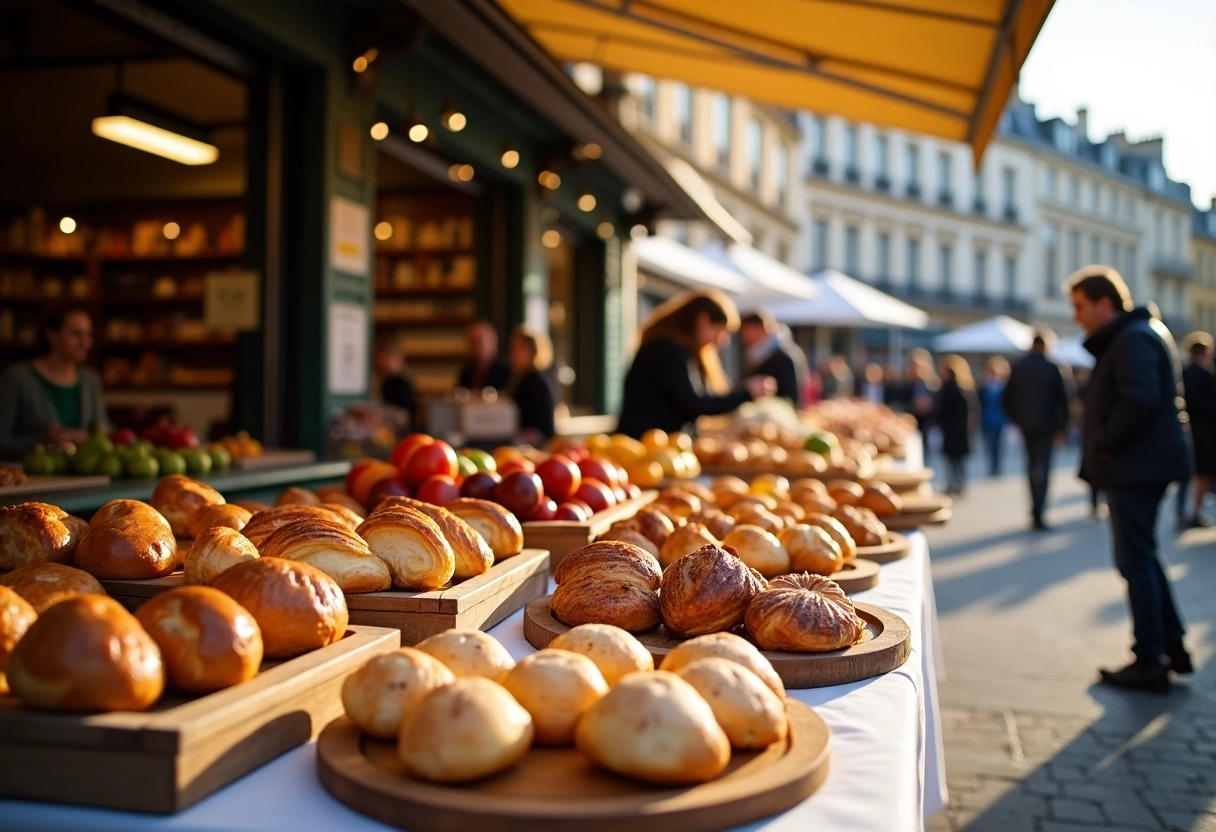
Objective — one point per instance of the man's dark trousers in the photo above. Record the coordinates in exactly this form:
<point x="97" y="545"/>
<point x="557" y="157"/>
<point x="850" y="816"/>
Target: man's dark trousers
<point x="1038" y="470"/>
<point x="1133" y="519"/>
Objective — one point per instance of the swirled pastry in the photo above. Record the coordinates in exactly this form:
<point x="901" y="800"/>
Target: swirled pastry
<point x="417" y="554"/>
<point x="811" y="549"/>
<point x="706" y="591"/>
<point x="335" y="550"/>
<point x="345" y="514"/>
<point x="759" y="549"/>
<point x="880" y="499"/>
<point x="218" y="514"/>
<point x="804" y="613"/>
<point x="341" y="498"/>
<point x="862" y="525"/>
<point x="265" y="523"/>
<point x="625" y="533"/>
<point x="688" y="538"/>
<point x="215" y="550"/>
<point x="608" y="582"/>
<point x="651" y="523"/>
<point x="177" y="498"/>
<point x="497" y="526"/>
<point x="127" y="539"/>
<point x="725" y="646"/>
<point x="834" y="528"/>
<point x="46" y="584"/>
<point x="473" y="554"/>
<point x="37" y="533"/>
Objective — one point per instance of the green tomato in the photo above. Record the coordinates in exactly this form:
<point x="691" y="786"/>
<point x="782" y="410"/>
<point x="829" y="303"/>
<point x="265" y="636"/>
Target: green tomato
<point x="143" y="467"/>
<point x="171" y="462"/>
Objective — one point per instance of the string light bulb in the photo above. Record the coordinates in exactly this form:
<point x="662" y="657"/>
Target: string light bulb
<point x="461" y="173"/>
<point x="510" y="157"/>
<point x="586" y="202"/>
<point x="383" y="230"/>
<point x="588" y="151"/>
<point x="172" y="230"/>
<point x="418" y="132"/>
<point x="605" y="230"/>
<point x="67" y="225"/>
<point x="551" y="238"/>
<point x="453" y="119"/>
<point x="549" y="179"/>
<point x="379" y="131"/>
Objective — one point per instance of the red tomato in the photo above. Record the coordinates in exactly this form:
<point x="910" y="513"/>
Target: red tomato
<point x="362" y="477"/>
<point x="547" y="510"/>
<point x="578" y="512"/>
<point x="406" y="447"/>
<point x="438" y="490"/>
<point x="520" y="493"/>
<point x="600" y="469"/>
<point x="560" y="476"/>
<point x="516" y="464"/>
<point x="429" y="460"/>
<point x="595" y="494"/>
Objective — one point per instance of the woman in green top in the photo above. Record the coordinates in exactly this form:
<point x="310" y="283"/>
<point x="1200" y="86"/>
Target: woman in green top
<point x="55" y="397"/>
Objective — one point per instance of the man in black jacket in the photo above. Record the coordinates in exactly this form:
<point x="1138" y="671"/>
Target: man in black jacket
<point x="1200" y="390"/>
<point x="1134" y="444"/>
<point x="1035" y="400"/>
<point x="767" y="351"/>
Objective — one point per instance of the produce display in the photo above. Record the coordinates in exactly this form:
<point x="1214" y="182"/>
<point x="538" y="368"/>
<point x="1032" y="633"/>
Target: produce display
<point x="162" y="449"/>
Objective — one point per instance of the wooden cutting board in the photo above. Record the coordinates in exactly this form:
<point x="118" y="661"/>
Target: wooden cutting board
<point x="475" y="604"/>
<point x="897" y="547"/>
<point x="884" y="646"/>
<point x="182" y="750"/>
<point x="561" y="537"/>
<point x="557" y="789"/>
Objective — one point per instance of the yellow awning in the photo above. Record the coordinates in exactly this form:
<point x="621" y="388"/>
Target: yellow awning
<point x="943" y="67"/>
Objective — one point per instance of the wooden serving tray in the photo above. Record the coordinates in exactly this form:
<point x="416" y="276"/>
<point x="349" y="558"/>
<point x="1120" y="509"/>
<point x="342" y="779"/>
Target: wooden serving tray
<point x="561" y="537"/>
<point x="885" y="646"/>
<point x="856" y="576"/>
<point x="184" y="749"/>
<point x="902" y="481"/>
<point x="897" y="547"/>
<point x="558" y="789"/>
<point x="920" y="510"/>
<point x="477" y="603"/>
<point x="749" y="472"/>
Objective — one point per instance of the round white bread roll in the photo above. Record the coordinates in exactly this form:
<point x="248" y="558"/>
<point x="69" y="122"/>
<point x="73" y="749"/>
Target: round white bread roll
<point x="469" y="653"/>
<point x="748" y="711"/>
<point x="655" y="727"/>
<point x="556" y="687"/>
<point x="615" y="651"/>
<point x="379" y="694"/>
<point x="759" y="549"/>
<point x="726" y="646"/>
<point x="465" y="730"/>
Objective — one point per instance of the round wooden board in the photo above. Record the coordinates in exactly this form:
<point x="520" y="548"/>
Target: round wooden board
<point x="903" y="481"/>
<point x="897" y="547"/>
<point x="884" y="646"/>
<point x="910" y="521"/>
<point x="558" y="788"/>
<point x="857" y="576"/>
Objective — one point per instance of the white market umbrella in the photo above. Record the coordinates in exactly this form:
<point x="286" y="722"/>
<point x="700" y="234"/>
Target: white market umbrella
<point x="675" y="261"/>
<point x="843" y="301"/>
<point x="1071" y="351"/>
<point x="1000" y="335"/>
<point x="770" y="278"/>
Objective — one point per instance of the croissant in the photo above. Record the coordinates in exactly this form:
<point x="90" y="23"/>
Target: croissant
<point x="473" y="554"/>
<point x="37" y="533"/>
<point x="706" y="591"/>
<point x="127" y="539"/>
<point x="608" y="582"/>
<point x="265" y="523"/>
<point x="804" y="613"/>
<point x="652" y="524"/>
<point x="417" y="554"/>
<point x="861" y="524"/>
<point x="495" y="524"/>
<point x="177" y="498"/>
<point x="214" y="550"/>
<point x="345" y="514"/>
<point x="335" y="550"/>
<point x="218" y="514"/>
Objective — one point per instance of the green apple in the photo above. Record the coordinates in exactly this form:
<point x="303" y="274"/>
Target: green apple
<point x="821" y="442"/>
<point x="171" y="462"/>
<point x="110" y="465"/>
<point x="85" y="461"/>
<point x="38" y="462"/>
<point x="197" y="462"/>
<point x="483" y="460"/>
<point x="100" y="444"/>
<point x="221" y="460"/>
<point x="142" y="466"/>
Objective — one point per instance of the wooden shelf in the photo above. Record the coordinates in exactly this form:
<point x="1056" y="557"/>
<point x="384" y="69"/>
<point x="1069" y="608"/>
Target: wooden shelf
<point x="166" y="385"/>
<point x="173" y="259"/>
<point x="422" y="253"/>
<point x="433" y="320"/>
<point x="17" y="254"/>
<point x="164" y="344"/>
<point x="39" y="300"/>
<point x="425" y="291"/>
<point x="128" y="298"/>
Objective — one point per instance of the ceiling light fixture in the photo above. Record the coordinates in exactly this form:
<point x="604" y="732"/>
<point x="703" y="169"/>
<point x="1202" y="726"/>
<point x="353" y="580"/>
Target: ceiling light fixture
<point x="418" y="132"/>
<point x="605" y="230"/>
<point x="551" y="238"/>
<point x="590" y="151"/>
<point x="549" y="179"/>
<point x="146" y="127"/>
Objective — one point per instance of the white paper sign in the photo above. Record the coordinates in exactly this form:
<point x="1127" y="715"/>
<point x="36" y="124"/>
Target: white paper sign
<point x="232" y="301"/>
<point x="348" y="354"/>
<point x="349" y="236"/>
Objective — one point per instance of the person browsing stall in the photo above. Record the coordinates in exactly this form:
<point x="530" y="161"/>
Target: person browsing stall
<point x="676" y="375"/>
<point x="531" y="386"/>
<point x="768" y="351"/>
<point x="485" y="367"/>
<point x="1200" y="391"/>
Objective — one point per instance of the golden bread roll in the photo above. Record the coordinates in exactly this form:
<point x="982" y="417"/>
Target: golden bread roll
<point x="214" y="550"/>
<point x="265" y="523"/>
<point x="759" y="549"/>
<point x="44" y="584"/>
<point x="652" y="524"/>
<point x="808" y="484"/>
<point x="748" y="711"/>
<point x="701" y="492"/>
<point x="717" y="523"/>
<point x="16" y="616"/>
<point x="207" y="641"/>
<point x="625" y="533"/>
<point x="608" y="582"/>
<point x="862" y="525"/>
<point x="497" y="526"/>
<point x="791" y="511"/>
<point x="345" y="514"/>
<point x="341" y="498"/>
<point x="296" y="496"/>
<point x="750" y="502"/>
<point x="706" y="591"/>
<point x="228" y="515"/>
<point x="253" y="506"/>
<point x="724" y="646"/>
<point x="469" y="653"/>
<point x="378" y="695"/>
<point x="834" y="528"/>
<point x="804" y="613"/>
<point x="177" y="498"/>
<point x="761" y="518"/>
<point x="328" y="493"/>
<point x="86" y="653"/>
<point x="127" y="539"/>
<point x="473" y="554"/>
<point x="684" y="540"/>
<point x="419" y="557"/>
<point x="335" y="550"/>
<point x="727" y="485"/>
<point x="811" y="549"/>
<point x="297" y="607"/>
<point x="880" y="499"/>
<point x="33" y="533"/>
<point x="465" y="730"/>
<point x="679" y="503"/>
<point x="846" y="492"/>
<point x="654" y="727"/>
<point x="556" y="687"/>
<point x="817" y="505"/>
<point x="615" y="652"/>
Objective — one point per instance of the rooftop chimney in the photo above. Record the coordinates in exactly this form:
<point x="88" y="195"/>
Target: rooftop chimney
<point x="1083" y="122"/>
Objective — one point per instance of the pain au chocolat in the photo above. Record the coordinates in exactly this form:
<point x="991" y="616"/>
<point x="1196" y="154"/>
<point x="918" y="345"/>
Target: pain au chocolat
<point x="706" y="591"/>
<point x="37" y="533"/>
<point x="608" y="582"/>
<point x="804" y="613"/>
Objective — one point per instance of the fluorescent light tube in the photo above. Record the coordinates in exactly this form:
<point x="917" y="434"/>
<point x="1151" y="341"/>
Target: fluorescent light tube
<point x="152" y="139"/>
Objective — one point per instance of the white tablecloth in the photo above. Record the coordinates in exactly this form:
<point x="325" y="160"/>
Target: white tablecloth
<point x="887" y="770"/>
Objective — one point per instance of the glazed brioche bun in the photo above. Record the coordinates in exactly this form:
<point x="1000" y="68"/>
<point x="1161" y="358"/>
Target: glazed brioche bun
<point x="207" y="640"/>
<point x="297" y="607"/>
<point x="759" y="549"/>
<point x="85" y="654"/>
<point x="747" y="709"/>
<point x="465" y="730"/>
<point x="378" y="695"/>
<point x="838" y="533"/>
<point x="556" y="687"/>
<point x="127" y="539"/>
<point x="614" y="651"/>
<point x="228" y="515"/>
<point x="34" y="532"/>
<point x="177" y="498"/>
<point x="44" y="584"/>
<point x="685" y="540"/>
<point x="16" y="616"/>
<point x="469" y="653"/>
<point x="216" y="549"/>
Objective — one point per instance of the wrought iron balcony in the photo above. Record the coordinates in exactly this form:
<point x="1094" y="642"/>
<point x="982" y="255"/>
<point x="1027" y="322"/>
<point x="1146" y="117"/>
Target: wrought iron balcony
<point x="1173" y="267"/>
<point x="882" y="183"/>
<point x="945" y="199"/>
<point x="819" y="167"/>
<point x="913" y="190"/>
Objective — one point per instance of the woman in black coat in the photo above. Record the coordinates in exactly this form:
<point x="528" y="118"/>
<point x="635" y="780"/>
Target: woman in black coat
<point x="530" y="385"/>
<point x="1199" y="389"/>
<point x="676" y="375"/>
<point x="955" y="411"/>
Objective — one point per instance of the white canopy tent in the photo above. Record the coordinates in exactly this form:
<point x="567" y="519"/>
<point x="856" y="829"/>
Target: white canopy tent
<point x="842" y="301"/>
<point x="771" y="279"/>
<point x="671" y="259"/>
<point x="999" y="335"/>
<point x="1071" y="351"/>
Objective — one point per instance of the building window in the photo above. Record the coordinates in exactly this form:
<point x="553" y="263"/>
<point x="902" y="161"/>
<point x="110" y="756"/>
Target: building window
<point x="1156" y="178"/>
<point x="882" y="176"/>
<point x="852" y="249"/>
<point x="1074" y="189"/>
<point x="851" y="172"/>
<point x="1065" y="138"/>
<point x="1094" y="197"/>
<point x="721" y="117"/>
<point x="1176" y="237"/>
<point x="883" y="252"/>
<point x="1129" y="208"/>
<point x="819" y="159"/>
<point x="1051" y="245"/>
<point x="981" y="273"/>
<point x="781" y="172"/>
<point x="1008" y="187"/>
<point x="755" y="138"/>
<point x="683" y="107"/>
<point x="1158" y="232"/>
<point x="945" y="195"/>
<point x="945" y="257"/>
<point x="913" y="263"/>
<point x="912" y="162"/>
<point x="1053" y="183"/>
<point x="1130" y="274"/>
<point x="819" y="246"/>
<point x="645" y="88"/>
<point x="1116" y="259"/>
<point x="1095" y="249"/>
<point x="978" y="203"/>
<point x="1011" y="277"/>
<point x="1074" y="251"/>
<point x="1114" y="203"/>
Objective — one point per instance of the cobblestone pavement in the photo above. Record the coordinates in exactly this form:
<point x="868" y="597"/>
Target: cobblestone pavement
<point x="1033" y="743"/>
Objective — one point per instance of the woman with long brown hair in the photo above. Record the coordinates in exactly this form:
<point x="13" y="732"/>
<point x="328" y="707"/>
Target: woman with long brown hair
<point x="676" y="375"/>
<point x="956" y="410"/>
